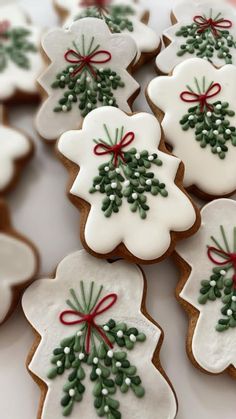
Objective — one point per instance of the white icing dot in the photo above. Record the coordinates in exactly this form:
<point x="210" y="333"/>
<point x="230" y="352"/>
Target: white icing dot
<point x="148" y="182"/>
<point x="99" y="85"/>
<point x="104" y="392"/>
<point x="110" y="354"/>
<point x="97" y="187"/>
<point x="78" y="80"/>
<point x="106" y="409"/>
<point x="62" y="78"/>
<point x="215" y="132"/>
<point x="191" y="117"/>
<point x="120" y="334"/>
<point x="111" y="78"/>
<point x="64" y="108"/>
<point x="88" y="91"/>
<point x="137" y="156"/>
<point x="59" y="364"/>
<point x="71" y="392"/>
<point x="134" y="195"/>
<point x="79" y="333"/>
<point x="218" y="106"/>
<point x="197" y="37"/>
<point x="98" y="371"/>
<point x="229" y="38"/>
<point x="224" y="54"/>
<point x="111" y="102"/>
<point x="212" y="283"/>
<point x="133" y="338"/>
<point x="71" y="69"/>
<point x="106" y="328"/>
<point x="106" y="169"/>
<point x="112" y="197"/>
<point x="88" y="79"/>
<point x="219" y="44"/>
<point x="66" y="350"/>
<point x="127" y="183"/>
<point x="104" y="98"/>
<point x="114" y="185"/>
<point x="70" y="97"/>
<point x="118" y="364"/>
<point x="229" y="312"/>
<point x="218" y="149"/>
<point x="128" y="381"/>
<point x="228" y="131"/>
<point x="223" y="272"/>
<point x="205" y="132"/>
<point x="150" y="158"/>
<point x="95" y="360"/>
<point x="209" y="114"/>
<point x="117" y="170"/>
<point x="234" y="298"/>
<point x="89" y="105"/>
<point x="218" y="121"/>
<point x="137" y="174"/>
<point x="81" y="356"/>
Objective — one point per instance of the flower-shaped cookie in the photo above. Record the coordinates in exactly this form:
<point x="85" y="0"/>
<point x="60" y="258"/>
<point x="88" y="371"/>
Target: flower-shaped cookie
<point x="20" y="58"/>
<point x="129" y="191"/>
<point x="88" y="70"/>
<point x="121" y="16"/>
<point x="18" y="264"/>
<point x="107" y="367"/>
<point x="15" y="150"/>
<point x="208" y="288"/>
<point x="199" y="122"/>
<point x="204" y="29"/>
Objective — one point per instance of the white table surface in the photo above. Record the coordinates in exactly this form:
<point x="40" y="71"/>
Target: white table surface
<point x="42" y="212"/>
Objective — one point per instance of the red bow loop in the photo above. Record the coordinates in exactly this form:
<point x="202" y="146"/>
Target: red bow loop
<point x="83" y="61"/>
<point x="205" y="24"/>
<point x="4" y="26"/>
<point x="102" y="149"/>
<point x="102" y="4"/>
<point x="229" y="258"/>
<point x="191" y="97"/>
<point x="104" y="305"/>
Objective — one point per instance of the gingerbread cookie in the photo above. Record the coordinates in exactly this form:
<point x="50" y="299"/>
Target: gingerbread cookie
<point x="198" y="112"/>
<point x="15" y="150"/>
<point x="128" y="189"/>
<point x="18" y="264"/>
<point x="201" y="28"/>
<point x="97" y="349"/>
<point x="20" y="58"/>
<point x="121" y="16"/>
<point x="88" y="70"/>
<point x="207" y="289"/>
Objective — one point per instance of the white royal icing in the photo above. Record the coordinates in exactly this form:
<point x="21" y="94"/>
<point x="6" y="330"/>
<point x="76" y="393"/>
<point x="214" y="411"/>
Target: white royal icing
<point x="103" y="235"/>
<point x="146" y="38"/>
<point x="48" y="296"/>
<point x="185" y="11"/>
<point x="13" y="146"/>
<point x="17" y="265"/>
<point x="15" y="78"/>
<point x="203" y="169"/>
<point x="214" y="351"/>
<point x="56" y="43"/>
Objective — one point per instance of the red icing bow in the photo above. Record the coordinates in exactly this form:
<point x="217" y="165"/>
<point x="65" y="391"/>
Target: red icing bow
<point x="229" y="258"/>
<point x="102" y="4"/>
<point x="83" y="61"/>
<point x="192" y="97"/>
<point x="4" y="26"/>
<point x="90" y="318"/>
<point x="102" y="149"/>
<point x="212" y="24"/>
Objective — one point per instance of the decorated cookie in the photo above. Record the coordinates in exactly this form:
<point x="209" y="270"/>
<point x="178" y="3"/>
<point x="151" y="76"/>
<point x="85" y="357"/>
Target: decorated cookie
<point x="15" y="150"/>
<point x="207" y="289"/>
<point x="128" y="189"/>
<point x="121" y="16"/>
<point x="97" y="349"/>
<point x="18" y="264"/>
<point x="198" y="112"/>
<point x="88" y="70"/>
<point x="201" y="28"/>
<point x="20" y="59"/>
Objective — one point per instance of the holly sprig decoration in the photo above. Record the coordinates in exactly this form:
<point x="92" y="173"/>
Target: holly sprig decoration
<point x="207" y="36"/>
<point x="126" y="174"/>
<point x="117" y="17"/>
<point x="222" y="282"/>
<point x="15" y="46"/>
<point x="85" y="84"/>
<point x="92" y="347"/>
<point x="209" y="120"/>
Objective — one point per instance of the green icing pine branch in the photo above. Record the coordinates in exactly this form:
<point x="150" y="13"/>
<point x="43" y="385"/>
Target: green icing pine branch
<point x="84" y="84"/>
<point x="116" y="16"/>
<point x="210" y="121"/>
<point x="207" y="36"/>
<point x="126" y="176"/>
<point x="15" y="46"/>
<point x="221" y="284"/>
<point x="110" y="369"/>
